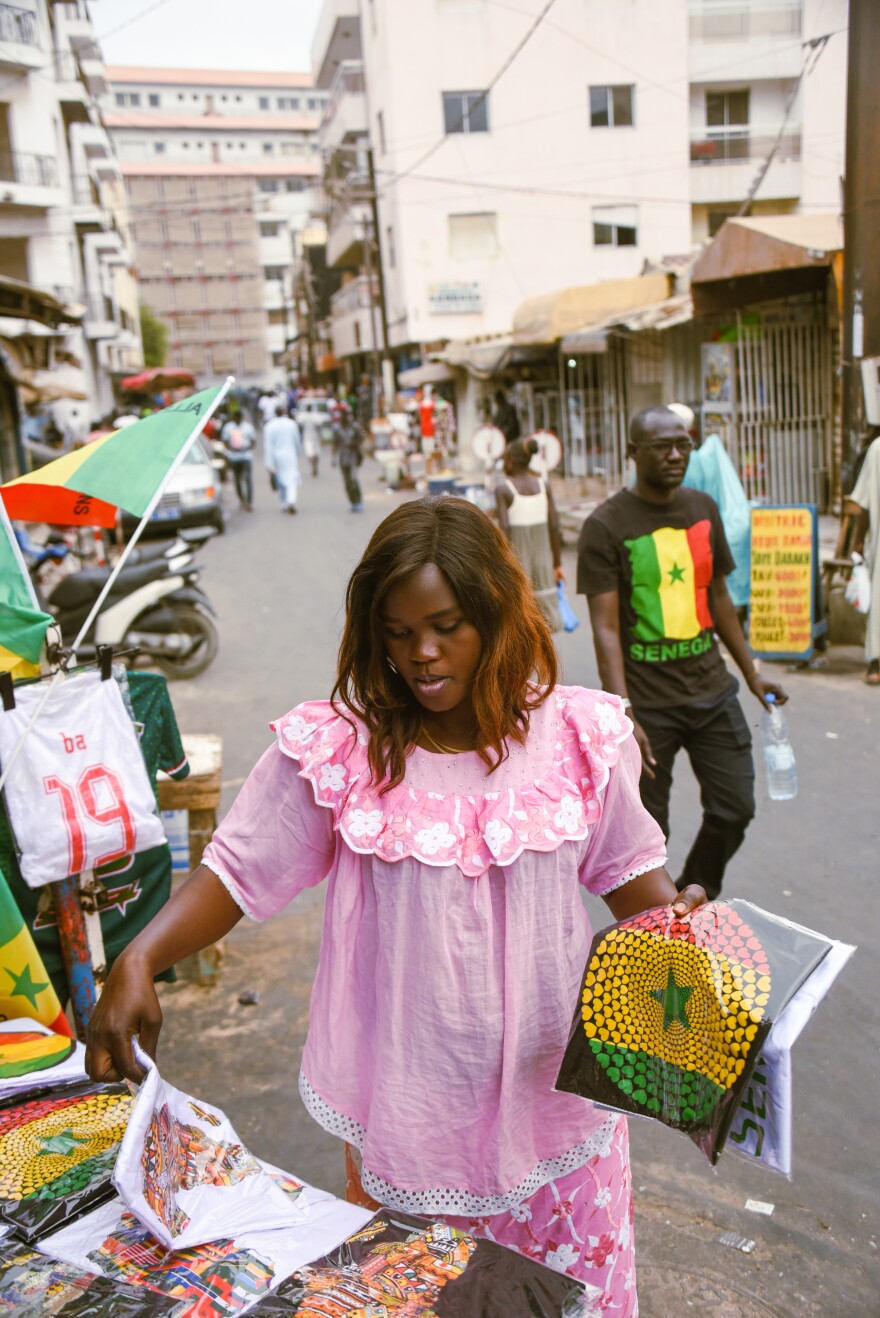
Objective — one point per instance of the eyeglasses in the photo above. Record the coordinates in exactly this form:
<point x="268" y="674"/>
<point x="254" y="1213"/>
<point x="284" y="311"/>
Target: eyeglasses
<point x="663" y="448"/>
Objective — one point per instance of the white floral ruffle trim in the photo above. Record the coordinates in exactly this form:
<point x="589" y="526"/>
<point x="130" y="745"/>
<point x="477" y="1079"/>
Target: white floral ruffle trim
<point x="473" y="832"/>
<point x="460" y="1202"/>
<point x="233" y="891"/>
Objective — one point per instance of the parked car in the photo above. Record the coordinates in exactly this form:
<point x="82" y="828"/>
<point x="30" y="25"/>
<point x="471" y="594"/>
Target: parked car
<point x="191" y="497"/>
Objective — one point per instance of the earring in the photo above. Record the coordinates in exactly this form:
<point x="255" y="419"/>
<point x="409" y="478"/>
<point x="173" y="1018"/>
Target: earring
<point x="390" y="664"/>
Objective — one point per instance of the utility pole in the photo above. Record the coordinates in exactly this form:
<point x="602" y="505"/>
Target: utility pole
<point x="861" y="215"/>
<point x="388" y="381"/>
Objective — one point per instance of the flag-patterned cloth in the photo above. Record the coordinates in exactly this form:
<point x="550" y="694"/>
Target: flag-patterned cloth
<point x="671" y="576"/>
<point x="25" y="987"/>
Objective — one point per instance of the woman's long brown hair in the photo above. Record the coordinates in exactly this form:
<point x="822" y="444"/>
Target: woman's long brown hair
<point x="518" y="665"/>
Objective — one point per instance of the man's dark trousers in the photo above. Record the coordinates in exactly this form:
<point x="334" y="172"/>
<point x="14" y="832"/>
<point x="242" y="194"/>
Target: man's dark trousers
<point x="719" y="746"/>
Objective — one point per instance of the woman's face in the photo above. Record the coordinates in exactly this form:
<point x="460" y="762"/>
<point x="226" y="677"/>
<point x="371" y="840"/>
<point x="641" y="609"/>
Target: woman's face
<point x="430" y="642"/>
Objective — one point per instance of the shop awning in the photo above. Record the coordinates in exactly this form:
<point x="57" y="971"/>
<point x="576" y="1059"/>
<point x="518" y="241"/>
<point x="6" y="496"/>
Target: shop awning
<point x="489" y="354"/>
<point x="430" y="373"/>
<point x="21" y="301"/>
<point x="760" y="258"/>
<point x="656" y="316"/>
<point x="546" y="319"/>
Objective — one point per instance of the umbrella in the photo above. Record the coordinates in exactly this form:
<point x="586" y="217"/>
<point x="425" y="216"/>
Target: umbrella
<point x="156" y="380"/>
<point x="23" y="623"/>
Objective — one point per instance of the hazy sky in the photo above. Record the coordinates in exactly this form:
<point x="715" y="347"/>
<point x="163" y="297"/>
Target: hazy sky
<point x="257" y="34"/>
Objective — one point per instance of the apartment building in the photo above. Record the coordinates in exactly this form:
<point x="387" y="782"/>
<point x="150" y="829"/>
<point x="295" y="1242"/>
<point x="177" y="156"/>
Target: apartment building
<point x="217" y="168"/>
<point x="618" y="134"/>
<point x="69" y="314"/>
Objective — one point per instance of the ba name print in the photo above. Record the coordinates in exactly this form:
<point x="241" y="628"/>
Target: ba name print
<point x="75" y="743"/>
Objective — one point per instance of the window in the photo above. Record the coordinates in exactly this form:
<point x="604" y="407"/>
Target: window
<point x="723" y="108"/>
<point x="263" y="102"/>
<point x="615" y="226"/>
<point x="295" y="185"/>
<point x="273" y="272"/>
<point x="611" y="107"/>
<point x="268" y="148"/>
<point x="313" y="103"/>
<point x="380" y="125"/>
<point x="389" y="243"/>
<point x="159" y="148"/>
<point x="287" y="102"/>
<point x="465" y="112"/>
<point x="154" y="99"/>
<point x="267" y="184"/>
<point x="120" y="98"/>
<point x="270" y="230"/>
<point x="128" y="98"/>
<point x="473" y="237"/>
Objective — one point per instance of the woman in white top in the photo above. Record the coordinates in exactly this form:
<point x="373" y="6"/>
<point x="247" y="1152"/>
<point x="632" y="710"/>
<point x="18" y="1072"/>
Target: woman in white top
<point x="527" y="516"/>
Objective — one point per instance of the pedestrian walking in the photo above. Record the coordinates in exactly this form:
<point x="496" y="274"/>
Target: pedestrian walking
<point x="527" y="516"/>
<point x="266" y="406"/>
<point x="347" y="449"/>
<point x="310" y="429"/>
<point x="455" y="934"/>
<point x="239" y="440"/>
<point x="505" y="417"/>
<point x="867" y="495"/>
<point x="652" y="562"/>
<point x="283" y="445"/>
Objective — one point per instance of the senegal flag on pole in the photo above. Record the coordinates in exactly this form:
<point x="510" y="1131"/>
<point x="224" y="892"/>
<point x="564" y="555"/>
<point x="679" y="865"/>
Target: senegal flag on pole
<point x="22" y="622"/>
<point x="671" y="576"/>
<point x="126" y="469"/>
<point x="25" y="988"/>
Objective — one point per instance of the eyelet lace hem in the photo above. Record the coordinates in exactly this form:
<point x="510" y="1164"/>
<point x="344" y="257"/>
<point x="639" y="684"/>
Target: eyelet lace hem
<point x="459" y="1202"/>
<point x="655" y="864"/>
<point x="473" y="832"/>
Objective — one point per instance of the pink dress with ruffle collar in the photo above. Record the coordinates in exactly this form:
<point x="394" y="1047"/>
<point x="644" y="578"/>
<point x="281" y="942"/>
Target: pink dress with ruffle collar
<point x="455" y="936"/>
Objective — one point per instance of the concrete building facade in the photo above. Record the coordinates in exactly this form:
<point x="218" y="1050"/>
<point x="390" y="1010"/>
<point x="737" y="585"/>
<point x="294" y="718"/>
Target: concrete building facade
<point x="63" y="220"/>
<point x="218" y="167"/>
<point x="514" y="156"/>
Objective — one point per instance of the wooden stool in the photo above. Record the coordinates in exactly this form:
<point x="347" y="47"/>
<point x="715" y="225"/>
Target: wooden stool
<point x="199" y="795"/>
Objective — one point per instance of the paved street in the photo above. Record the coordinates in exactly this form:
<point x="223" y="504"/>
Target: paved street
<point x="277" y="583"/>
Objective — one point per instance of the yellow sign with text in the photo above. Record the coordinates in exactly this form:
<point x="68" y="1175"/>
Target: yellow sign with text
<point x="781" y="617"/>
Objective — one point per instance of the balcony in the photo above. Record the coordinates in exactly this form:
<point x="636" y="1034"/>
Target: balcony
<point x="345" y="114"/>
<point x="87" y="209"/>
<point x="91" y="141"/>
<point x="20" y="37"/>
<point x="29" y="180"/>
<point x="100" y="317"/>
<point x="345" y="238"/>
<point x="748" y="40"/>
<point x="724" y="162"/>
<point x="337" y="38"/>
<point x="75" y="24"/>
<point x="94" y="70"/>
<point x="351" y="317"/>
<point x="72" y="91"/>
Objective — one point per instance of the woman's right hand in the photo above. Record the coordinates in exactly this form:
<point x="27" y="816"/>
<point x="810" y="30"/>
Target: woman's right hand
<point x="128" y="1006"/>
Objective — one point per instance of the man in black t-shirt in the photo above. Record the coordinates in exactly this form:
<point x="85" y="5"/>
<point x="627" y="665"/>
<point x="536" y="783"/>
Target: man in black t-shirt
<point x="652" y="562"/>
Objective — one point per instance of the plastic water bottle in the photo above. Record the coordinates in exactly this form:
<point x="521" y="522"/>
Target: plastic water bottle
<point x="778" y="753"/>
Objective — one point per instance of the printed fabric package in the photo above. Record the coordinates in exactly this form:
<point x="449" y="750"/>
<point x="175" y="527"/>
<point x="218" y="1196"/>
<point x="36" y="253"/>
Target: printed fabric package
<point x="674" y="1012"/>
<point x="32" y="1286"/>
<point x="761" y="1126"/>
<point x="183" y="1172"/>
<point x="401" y="1264"/>
<point x="57" y="1151"/>
<point x="223" y="1277"/>
<point x="33" y="1057"/>
<point x="78" y="794"/>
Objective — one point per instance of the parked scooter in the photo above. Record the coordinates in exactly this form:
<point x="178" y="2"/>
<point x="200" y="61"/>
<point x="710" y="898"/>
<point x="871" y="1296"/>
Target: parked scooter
<point x="155" y="606"/>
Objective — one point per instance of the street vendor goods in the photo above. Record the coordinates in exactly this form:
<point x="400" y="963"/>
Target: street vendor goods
<point x="221" y="1277"/>
<point x="35" y="1057"/>
<point x="401" y="1264"/>
<point x="183" y="1172"/>
<point x="57" y="1152"/>
<point x="32" y="1286"/>
<point x="674" y="1012"/>
<point x="78" y="794"/>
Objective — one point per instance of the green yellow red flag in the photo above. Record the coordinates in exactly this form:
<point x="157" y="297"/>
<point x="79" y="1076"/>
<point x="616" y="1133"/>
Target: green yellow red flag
<point x="121" y="470"/>
<point x="25" y="988"/>
<point x="671" y="576"/>
<point x="22" y="622"/>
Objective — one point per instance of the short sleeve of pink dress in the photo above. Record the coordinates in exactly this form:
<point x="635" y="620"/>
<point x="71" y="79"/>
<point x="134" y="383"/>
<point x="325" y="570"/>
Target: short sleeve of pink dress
<point x="455" y="936"/>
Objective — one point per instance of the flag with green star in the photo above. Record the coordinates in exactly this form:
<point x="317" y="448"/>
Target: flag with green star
<point x="25" y="988"/>
<point x="673" y="1012"/>
<point x="671" y="576"/>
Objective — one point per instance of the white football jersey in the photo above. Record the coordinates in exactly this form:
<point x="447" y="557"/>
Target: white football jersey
<point x="78" y="795"/>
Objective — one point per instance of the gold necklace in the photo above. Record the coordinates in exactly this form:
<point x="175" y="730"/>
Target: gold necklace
<point x="444" y="750"/>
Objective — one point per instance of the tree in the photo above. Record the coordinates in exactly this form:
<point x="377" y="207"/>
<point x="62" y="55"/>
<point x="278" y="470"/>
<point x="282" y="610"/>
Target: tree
<point x="154" y="333"/>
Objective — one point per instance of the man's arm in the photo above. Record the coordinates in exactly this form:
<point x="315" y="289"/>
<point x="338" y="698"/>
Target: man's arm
<point x="728" y="628"/>
<point x="605" y="620"/>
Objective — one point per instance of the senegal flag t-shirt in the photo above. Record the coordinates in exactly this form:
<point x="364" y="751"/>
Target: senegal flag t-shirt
<point x="662" y="561"/>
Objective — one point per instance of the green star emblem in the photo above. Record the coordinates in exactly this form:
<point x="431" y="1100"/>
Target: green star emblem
<point x="23" y="986"/>
<point x="64" y="1143"/>
<point x="673" y="999"/>
<point x="676" y="573"/>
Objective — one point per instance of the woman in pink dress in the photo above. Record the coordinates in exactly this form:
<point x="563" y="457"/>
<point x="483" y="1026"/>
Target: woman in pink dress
<point x="456" y="800"/>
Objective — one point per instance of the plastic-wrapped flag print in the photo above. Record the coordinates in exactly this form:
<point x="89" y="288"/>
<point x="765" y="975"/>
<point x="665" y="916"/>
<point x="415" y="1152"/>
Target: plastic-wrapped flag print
<point x="674" y="1012"/>
<point x="33" y="1286"/>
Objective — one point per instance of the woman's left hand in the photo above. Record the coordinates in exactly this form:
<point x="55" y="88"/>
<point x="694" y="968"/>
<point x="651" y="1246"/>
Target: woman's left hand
<point x="558" y="575"/>
<point x="689" y="899"/>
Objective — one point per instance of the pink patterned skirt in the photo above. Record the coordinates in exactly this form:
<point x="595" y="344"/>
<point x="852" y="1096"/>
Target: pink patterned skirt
<point x="581" y="1224"/>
